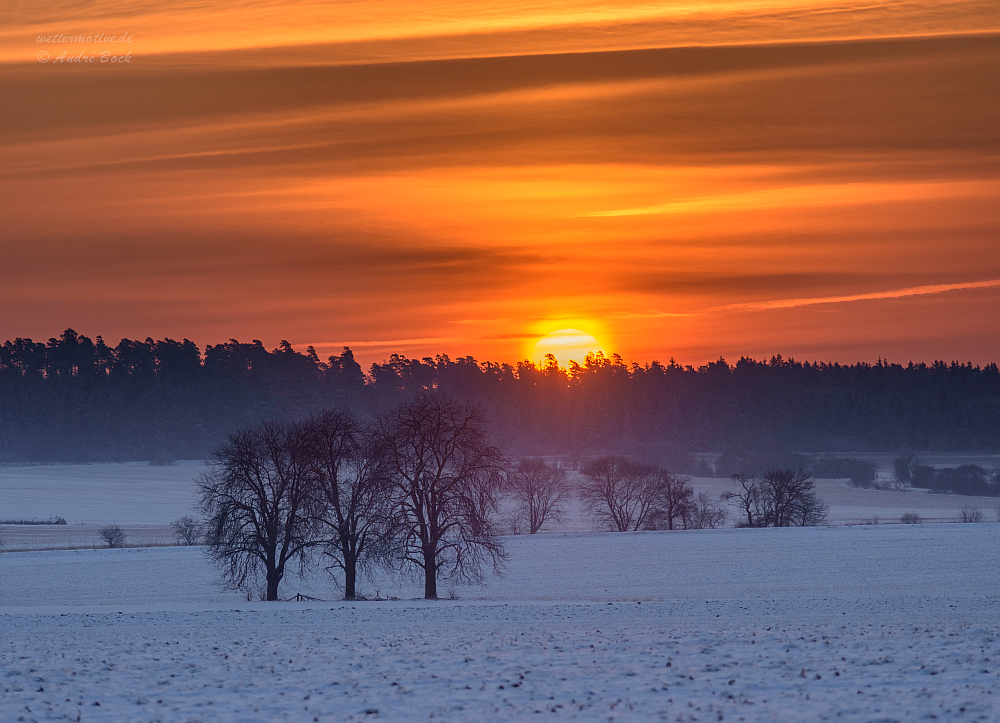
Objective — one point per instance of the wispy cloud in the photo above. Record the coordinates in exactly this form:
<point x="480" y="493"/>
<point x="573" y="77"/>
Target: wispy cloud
<point x="842" y="194"/>
<point x="893" y="294"/>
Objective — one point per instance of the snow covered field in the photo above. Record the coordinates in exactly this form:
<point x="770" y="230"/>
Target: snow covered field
<point x="134" y="493"/>
<point x="846" y="623"/>
<point x="62" y="537"/>
<point x="144" y="500"/>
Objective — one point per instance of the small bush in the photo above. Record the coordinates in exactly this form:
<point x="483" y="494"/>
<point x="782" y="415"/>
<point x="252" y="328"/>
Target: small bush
<point x="911" y="518"/>
<point x="971" y="514"/>
<point x="113" y="536"/>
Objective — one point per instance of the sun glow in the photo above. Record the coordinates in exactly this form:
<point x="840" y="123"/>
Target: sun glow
<point x="566" y="345"/>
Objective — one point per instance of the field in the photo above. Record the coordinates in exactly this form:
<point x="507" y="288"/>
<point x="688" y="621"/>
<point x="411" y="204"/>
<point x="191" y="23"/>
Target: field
<point x="144" y="499"/>
<point x="848" y="622"/>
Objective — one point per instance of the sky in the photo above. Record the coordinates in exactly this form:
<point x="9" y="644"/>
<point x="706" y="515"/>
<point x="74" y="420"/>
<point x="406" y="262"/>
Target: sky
<point x="817" y="179"/>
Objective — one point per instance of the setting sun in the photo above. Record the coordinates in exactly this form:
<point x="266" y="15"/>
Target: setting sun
<point x="566" y="345"/>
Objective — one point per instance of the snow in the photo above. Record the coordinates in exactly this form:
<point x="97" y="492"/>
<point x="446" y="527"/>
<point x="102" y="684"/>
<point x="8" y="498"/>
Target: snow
<point x="134" y="493"/>
<point x="61" y="537"/>
<point x="145" y="499"/>
<point x="854" y="623"/>
<point x="479" y="663"/>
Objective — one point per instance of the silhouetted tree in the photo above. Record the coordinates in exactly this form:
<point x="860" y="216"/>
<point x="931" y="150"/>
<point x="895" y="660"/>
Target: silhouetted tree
<point x="113" y="536"/>
<point x="447" y="479"/>
<point x="748" y="499"/>
<point x="620" y="492"/>
<point x="255" y="503"/>
<point x="540" y="491"/>
<point x="779" y="498"/>
<point x="187" y="530"/>
<point x="673" y="502"/>
<point x="353" y="495"/>
<point x="703" y="513"/>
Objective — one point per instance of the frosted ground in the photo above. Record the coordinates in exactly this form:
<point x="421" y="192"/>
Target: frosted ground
<point x="855" y="623"/>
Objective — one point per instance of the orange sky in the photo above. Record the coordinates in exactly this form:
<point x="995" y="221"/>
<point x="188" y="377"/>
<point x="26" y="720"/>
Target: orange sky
<point x="816" y="179"/>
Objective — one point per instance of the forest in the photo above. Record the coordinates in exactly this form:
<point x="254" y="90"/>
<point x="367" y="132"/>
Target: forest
<point x="77" y="399"/>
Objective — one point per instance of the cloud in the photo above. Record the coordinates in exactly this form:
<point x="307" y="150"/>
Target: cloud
<point x="376" y="176"/>
<point x="892" y="294"/>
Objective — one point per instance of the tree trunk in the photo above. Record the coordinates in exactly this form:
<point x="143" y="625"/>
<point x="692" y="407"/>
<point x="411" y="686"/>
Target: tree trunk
<point x="350" y="578"/>
<point x="273" y="578"/>
<point x="430" y="580"/>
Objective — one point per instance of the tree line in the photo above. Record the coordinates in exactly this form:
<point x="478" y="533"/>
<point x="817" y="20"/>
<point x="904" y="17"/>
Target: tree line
<point x="420" y="487"/>
<point x="77" y="399"/>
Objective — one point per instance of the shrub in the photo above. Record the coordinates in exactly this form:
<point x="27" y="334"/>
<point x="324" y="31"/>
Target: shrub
<point x="113" y="536"/>
<point x="911" y="518"/>
<point x="971" y="514"/>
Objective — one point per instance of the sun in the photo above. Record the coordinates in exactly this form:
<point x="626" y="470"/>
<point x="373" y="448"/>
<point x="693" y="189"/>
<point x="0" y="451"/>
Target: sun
<point x="566" y="345"/>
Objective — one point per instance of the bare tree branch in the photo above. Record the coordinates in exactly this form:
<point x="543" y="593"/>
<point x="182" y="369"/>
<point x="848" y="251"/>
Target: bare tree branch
<point x="255" y="505"/>
<point x="620" y="492"/>
<point x="540" y="490"/>
<point x="447" y="480"/>
<point x="353" y="502"/>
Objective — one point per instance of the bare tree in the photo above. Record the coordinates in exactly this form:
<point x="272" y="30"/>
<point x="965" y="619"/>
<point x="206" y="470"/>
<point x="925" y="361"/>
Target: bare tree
<point x="113" y="536"/>
<point x="784" y="491"/>
<point x="187" y="530"/>
<point x="674" y="501"/>
<point x="779" y="498"/>
<point x="255" y="505"/>
<point x="620" y="492"/>
<point x="748" y="499"/>
<point x="810" y="510"/>
<point x="447" y="479"/>
<point x="540" y="490"/>
<point x="704" y="514"/>
<point x="353" y="495"/>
